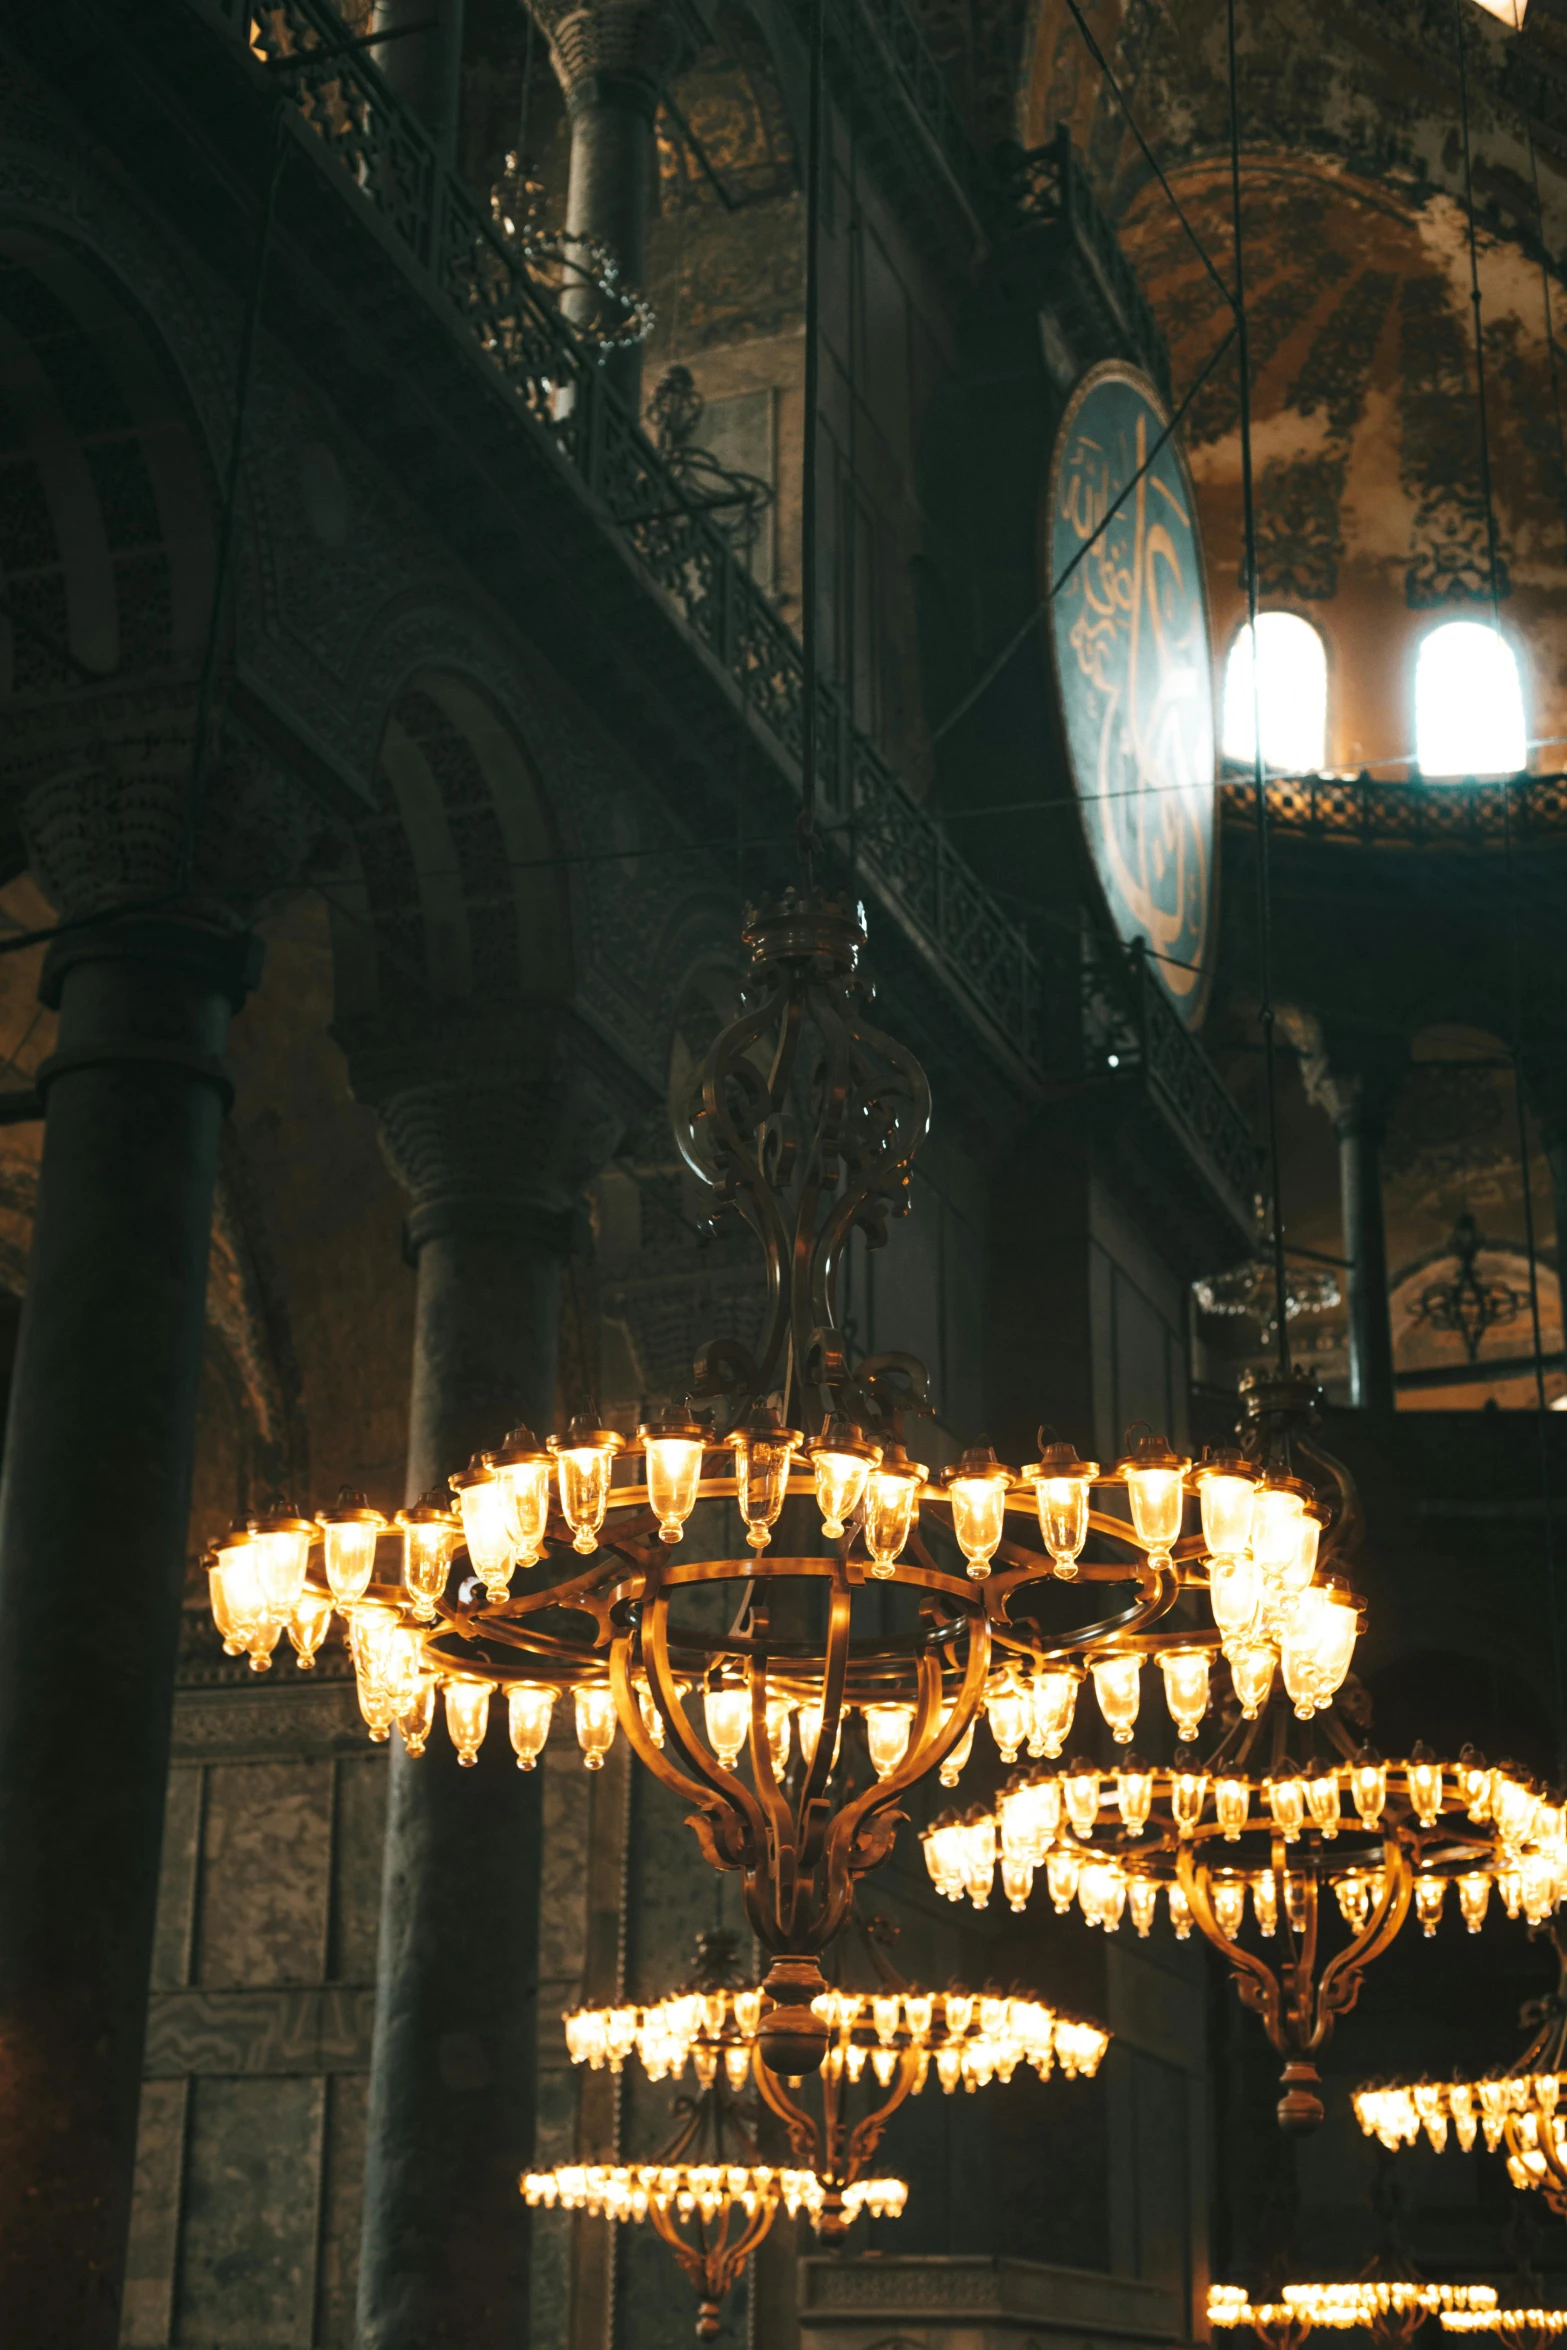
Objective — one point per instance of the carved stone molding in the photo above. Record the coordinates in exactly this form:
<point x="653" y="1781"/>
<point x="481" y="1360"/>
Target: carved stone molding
<point x="293" y="1717"/>
<point x="626" y="50"/>
<point x="275" y="2032"/>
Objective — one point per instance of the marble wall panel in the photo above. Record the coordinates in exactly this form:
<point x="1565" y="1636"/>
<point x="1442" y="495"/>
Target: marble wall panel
<point x="263" y="1878"/>
<point x="358" y="1830"/>
<point x="171" y="1950"/>
<point x="247" y="2269"/>
<point x="342" y="2203"/>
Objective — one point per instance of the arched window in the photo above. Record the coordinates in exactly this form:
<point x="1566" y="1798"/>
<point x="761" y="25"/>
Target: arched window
<point x="1468" y="703"/>
<point x="1291" y="695"/>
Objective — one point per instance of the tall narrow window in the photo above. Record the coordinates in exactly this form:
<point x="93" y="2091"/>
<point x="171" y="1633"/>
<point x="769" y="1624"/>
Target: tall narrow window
<point x="1291" y="695"/>
<point x="1468" y="703"/>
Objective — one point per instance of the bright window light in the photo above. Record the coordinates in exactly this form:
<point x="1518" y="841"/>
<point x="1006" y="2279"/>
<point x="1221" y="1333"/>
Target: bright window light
<point x="1511" y="12"/>
<point x="1468" y="703"/>
<point x="1292" y="695"/>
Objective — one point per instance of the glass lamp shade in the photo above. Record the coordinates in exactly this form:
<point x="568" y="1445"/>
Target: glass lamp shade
<point x="467" y="1717"/>
<point x="1185" y="1673"/>
<point x="1251" y="1670"/>
<point x="1231" y="1804"/>
<point x="1227" y="1490"/>
<point x="522" y="1466"/>
<point x="779" y="1711"/>
<point x="1235" y="1595"/>
<point x="595" y="1710"/>
<point x="1276" y="1527"/>
<point x="673" y="1452"/>
<point x="727" y="1712"/>
<point x="1009" y="1712"/>
<point x="952" y="1769"/>
<point x="1155" y="1478"/>
<point x="976" y="1485"/>
<point x="430" y="1533"/>
<point x="842" y="1462"/>
<point x="584" y="1464"/>
<point x="528" y="1710"/>
<point x="281" y="1546"/>
<point x="349" y="1534"/>
<point x="417" y="1718"/>
<point x="887" y="1729"/>
<point x="239" y="1606"/>
<point x="1053" y="1704"/>
<point x="1368" y="1785"/>
<point x="487" y="1523"/>
<point x="892" y="1508"/>
<point x="1118" y="1687"/>
<point x="308" y="1626"/>
<point x="1063" y="1494"/>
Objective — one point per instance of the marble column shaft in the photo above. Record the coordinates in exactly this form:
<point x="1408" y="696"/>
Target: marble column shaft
<point x="94" y="1505"/>
<point x="491" y="1169"/>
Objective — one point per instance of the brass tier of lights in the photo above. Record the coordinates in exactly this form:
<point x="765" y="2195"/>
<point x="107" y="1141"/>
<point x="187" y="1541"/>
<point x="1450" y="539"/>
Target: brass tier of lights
<point x="1218" y="1837"/>
<point x="1518" y="2329"/>
<point x="1522" y="2110"/>
<point x="1391" y="2310"/>
<point x="804" y="1119"/>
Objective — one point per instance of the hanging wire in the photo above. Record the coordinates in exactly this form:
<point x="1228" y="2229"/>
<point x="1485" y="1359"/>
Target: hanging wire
<point x="1515" y="970"/>
<point x="809" y="550"/>
<point x="1265" y="1013"/>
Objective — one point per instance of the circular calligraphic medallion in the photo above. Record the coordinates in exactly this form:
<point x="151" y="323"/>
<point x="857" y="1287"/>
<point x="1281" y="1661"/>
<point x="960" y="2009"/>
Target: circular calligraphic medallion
<point x="1129" y="635"/>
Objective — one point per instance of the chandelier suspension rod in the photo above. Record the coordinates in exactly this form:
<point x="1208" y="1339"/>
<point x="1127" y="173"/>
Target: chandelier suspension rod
<point x="809" y="532"/>
<point x="1515" y="974"/>
<point x="1265" y="1017"/>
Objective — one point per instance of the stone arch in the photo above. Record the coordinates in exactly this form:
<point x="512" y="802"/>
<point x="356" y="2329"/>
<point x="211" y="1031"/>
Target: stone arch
<point x="459" y="893"/>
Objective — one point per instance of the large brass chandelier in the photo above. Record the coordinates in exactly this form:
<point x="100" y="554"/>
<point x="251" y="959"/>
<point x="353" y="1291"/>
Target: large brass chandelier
<point x="701" y="1586"/>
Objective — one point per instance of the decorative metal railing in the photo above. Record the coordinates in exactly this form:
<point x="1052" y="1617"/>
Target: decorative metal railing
<point x="1131" y="1028"/>
<point x="383" y="153"/>
<point x="1050" y="185"/>
<point x="1358" y="809"/>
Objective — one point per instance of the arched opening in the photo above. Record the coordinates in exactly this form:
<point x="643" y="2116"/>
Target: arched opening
<point x="1288" y="699"/>
<point x="1469" y="717"/>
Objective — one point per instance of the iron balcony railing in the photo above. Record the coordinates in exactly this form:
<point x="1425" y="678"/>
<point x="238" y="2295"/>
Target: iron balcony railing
<point x="1359" y="810"/>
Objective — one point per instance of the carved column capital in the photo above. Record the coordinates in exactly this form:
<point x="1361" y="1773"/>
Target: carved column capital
<point x="623" y="52"/>
<point x="1351" y="1075"/>
<point x="493" y="1125"/>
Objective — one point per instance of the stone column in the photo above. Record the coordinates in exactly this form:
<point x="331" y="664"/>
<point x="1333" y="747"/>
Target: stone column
<point x="1545" y="1090"/>
<point x="424" y="68"/>
<point x="1355" y="1080"/>
<point x="94" y="1503"/>
<point x="613" y="61"/>
<point x="493" y="1156"/>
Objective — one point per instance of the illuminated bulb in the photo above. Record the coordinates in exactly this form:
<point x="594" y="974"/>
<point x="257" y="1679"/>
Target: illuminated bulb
<point x="1251" y="1672"/>
<point x="1297" y="1901"/>
<point x="1134" y="1798"/>
<point x="1008" y="1711"/>
<point x="1227" y="1489"/>
<point x="1118" y="1687"/>
<point x="372" y="1641"/>
<point x="1235" y="1595"/>
<point x="810" y="1727"/>
<point x="1229" y="1904"/>
<point x="1053" y="1702"/>
<point x="673" y="1450"/>
<point x="1429" y="1895"/>
<point x="528" y="1710"/>
<point x="467" y="1717"/>
<point x="1185" y="1673"/>
<point x="308" y="1626"/>
<point x="1305" y="1631"/>
<point x="841" y="1461"/>
<point x="1287" y="1802"/>
<point x="1474" y="1895"/>
<point x="727" y="1713"/>
<point x="417" y="1718"/>
<point x="943" y="1846"/>
<point x="892" y="1507"/>
<point x="348" y="1539"/>
<point x="1142" y="1899"/>
<point x="1231" y="1803"/>
<point x="1080" y="1795"/>
<point x="584" y="1465"/>
<point x="979" y="1860"/>
<point x="239" y="1607"/>
<point x="1188" y="1792"/>
<point x="1063" y="1864"/>
<point x="1156" y="1489"/>
<point x="976" y="1486"/>
<point x="486" y="1524"/>
<point x="522" y="1468"/>
<point x="748" y="2013"/>
<point x="764" y="1457"/>
<point x="647" y="1707"/>
<point x="952" y="1768"/>
<point x="1265" y="1903"/>
<point x="779" y="1709"/>
<point x="1305" y="1566"/>
<point x="887" y="1729"/>
<point x="595" y="1710"/>
<point x="1063" y="1492"/>
<point x="919" y="2008"/>
<point x="281" y="1547"/>
<point x="1322" y="1797"/>
<point x="1017" y="1881"/>
<point x="430" y="1533"/>
<point x="1180" y="1914"/>
<point x="1276" y="1526"/>
<point x="1425" y="1791"/>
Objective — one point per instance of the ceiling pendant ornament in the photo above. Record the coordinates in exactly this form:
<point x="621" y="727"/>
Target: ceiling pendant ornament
<point x="1390" y="2310"/>
<point x="560" y="260"/>
<point x="572" y="1573"/>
